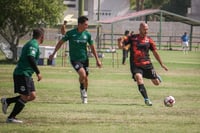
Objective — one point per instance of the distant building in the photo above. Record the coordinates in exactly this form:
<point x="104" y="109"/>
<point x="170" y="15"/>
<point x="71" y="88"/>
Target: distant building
<point x="108" y="8"/>
<point x="193" y="12"/>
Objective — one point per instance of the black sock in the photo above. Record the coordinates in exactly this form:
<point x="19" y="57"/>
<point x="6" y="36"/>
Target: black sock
<point x="81" y="86"/>
<point x="12" y="100"/>
<point x="19" y="105"/>
<point x="143" y="91"/>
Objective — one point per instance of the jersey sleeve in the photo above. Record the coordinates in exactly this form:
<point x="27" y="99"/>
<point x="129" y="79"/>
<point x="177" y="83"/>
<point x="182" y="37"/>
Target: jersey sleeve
<point x="33" y="50"/>
<point x="65" y="37"/>
<point x="90" y="39"/>
<point x="152" y="44"/>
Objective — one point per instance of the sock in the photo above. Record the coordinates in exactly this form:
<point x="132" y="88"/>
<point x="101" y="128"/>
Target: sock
<point x="142" y="90"/>
<point x="81" y="86"/>
<point x="19" y="105"/>
<point x="12" y="100"/>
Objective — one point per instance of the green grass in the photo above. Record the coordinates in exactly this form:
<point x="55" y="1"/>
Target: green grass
<point x="115" y="105"/>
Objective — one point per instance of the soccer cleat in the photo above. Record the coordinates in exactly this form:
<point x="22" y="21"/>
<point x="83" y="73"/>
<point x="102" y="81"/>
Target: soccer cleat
<point x="4" y="105"/>
<point x="159" y="78"/>
<point x="148" y="102"/>
<point x="84" y="101"/>
<point x="83" y="96"/>
<point x="13" y="120"/>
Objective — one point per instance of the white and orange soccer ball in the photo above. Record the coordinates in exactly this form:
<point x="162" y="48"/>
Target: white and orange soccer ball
<point x="169" y="101"/>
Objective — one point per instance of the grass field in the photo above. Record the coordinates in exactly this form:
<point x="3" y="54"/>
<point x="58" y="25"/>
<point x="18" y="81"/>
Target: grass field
<point x="115" y="105"/>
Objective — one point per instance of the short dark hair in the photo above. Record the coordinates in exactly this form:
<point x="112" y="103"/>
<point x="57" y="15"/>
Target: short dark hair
<point x="82" y="19"/>
<point x="38" y="32"/>
<point x="126" y="32"/>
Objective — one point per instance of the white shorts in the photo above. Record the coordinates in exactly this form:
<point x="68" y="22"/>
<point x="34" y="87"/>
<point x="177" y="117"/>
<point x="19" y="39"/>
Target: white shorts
<point x="185" y="44"/>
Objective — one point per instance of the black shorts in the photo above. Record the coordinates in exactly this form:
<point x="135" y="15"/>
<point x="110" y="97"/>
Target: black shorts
<point x="23" y="85"/>
<point x="147" y="72"/>
<point x="81" y="64"/>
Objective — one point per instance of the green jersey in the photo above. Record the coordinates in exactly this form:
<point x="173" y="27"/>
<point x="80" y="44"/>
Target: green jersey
<point x="78" y="44"/>
<point x="31" y="48"/>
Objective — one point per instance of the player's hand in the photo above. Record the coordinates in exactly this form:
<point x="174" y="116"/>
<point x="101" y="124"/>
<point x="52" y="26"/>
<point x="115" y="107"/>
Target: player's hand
<point x="119" y="39"/>
<point x="39" y="76"/>
<point x="164" y="67"/>
<point x="99" y="64"/>
<point x="51" y="57"/>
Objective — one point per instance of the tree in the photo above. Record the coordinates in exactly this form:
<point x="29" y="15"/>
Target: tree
<point x="139" y="5"/>
<point x="177" y="6"/>
<point x="18" y="17"/>
<point x="155" y="4"/>
<point x="132" y="4"/>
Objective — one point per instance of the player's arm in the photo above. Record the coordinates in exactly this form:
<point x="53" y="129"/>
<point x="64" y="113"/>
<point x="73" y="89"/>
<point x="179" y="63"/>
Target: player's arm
<point x="63" y="30"/>
<point x="33" y="64"/>
<point x="59" y="44"/>
<point x="156" y="55"/>
<point x="127" y="46"/>
<point x="94" y="52"/>
<point x="120" y="42"/>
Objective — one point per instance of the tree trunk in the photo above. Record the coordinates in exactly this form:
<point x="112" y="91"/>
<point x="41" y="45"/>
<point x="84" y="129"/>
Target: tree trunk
<point x="137" y="5"/>
<point x="14" y="50"/>
<point x="141" y="5"/>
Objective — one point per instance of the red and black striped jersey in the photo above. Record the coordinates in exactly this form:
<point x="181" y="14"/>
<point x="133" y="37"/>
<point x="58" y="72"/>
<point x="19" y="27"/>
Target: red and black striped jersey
<point x="139" y="50"/>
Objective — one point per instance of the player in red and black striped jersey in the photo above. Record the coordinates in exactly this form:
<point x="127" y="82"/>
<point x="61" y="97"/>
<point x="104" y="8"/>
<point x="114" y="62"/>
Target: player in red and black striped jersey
<point x="140" y="62"/>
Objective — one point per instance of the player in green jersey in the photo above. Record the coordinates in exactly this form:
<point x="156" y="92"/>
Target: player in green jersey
<point x="78" y="39"/>
<point x="22" y="76"/>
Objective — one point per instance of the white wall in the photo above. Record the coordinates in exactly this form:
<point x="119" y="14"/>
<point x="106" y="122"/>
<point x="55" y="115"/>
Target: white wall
<point x="108" y="8"/>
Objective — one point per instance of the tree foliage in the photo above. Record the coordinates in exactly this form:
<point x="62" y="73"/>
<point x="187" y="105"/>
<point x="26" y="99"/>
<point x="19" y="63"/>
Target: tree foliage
<point x="18" y="17"/>
<point x="177" y="6"/>
<point x="155" y="4"/>
<point x="146" y="4"/>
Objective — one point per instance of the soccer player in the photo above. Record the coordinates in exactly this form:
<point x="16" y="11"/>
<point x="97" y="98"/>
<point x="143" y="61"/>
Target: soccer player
<point x="22" y="76"/>
<point x="185" y="40"/>
<point x="78" y="39"/>
<point x="63" y="29"/>
<point x="140" y="63"/>
<point x="125" y="47"/>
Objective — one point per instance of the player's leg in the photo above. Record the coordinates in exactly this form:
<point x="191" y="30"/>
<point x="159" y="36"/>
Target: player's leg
<point x="86" y="83"/>
<point x="83" y="84"/>
<point x="25" y="87"/>
<point x="139" y="79"/>
<point x="142" y="89"/>
<point x="126" y="55"/>
<point x="18" y="107"/>
<point x="123" y="56"/>
<point x="86" y="68"/>
<point x="156" y="81"/>
<point x="186" y="47"/>
<point x="155" y="78"/>
<point x="82" y="78"/>
<point x="7" y="101"/>
<point x="79" y="67"/>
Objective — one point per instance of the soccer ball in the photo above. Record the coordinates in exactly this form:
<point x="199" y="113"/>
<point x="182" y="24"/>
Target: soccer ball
<point x="169" y="101"/>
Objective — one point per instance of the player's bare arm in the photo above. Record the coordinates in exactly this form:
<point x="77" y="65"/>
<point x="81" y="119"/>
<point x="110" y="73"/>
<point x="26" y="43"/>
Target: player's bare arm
<point x="59" y="44"/>
<point x="95" y="55"/>
<point x="156" y="55"/>
<point x="120" y="42"/>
